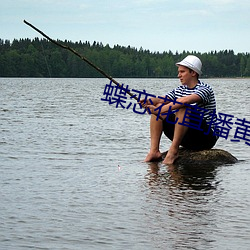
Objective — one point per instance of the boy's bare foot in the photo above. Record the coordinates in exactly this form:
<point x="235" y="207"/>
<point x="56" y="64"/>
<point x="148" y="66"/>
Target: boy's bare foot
<point x="171" y="156"/>
<point x="153" y="156"/>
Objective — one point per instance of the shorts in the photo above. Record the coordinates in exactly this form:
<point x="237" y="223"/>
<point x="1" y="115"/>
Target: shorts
<point x="194" y="139"/>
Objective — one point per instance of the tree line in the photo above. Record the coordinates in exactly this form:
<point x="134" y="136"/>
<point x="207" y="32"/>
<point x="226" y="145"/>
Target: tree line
<point x="41" y="58"/>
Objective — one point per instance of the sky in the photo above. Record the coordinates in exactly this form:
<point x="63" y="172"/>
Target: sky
<point x="155" y="25"/>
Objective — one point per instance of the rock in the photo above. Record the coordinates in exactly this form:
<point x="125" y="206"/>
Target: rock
<point x="204" y="157"/>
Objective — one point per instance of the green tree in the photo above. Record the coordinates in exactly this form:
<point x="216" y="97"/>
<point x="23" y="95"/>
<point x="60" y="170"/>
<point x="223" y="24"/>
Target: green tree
<point x="247" y="69"/>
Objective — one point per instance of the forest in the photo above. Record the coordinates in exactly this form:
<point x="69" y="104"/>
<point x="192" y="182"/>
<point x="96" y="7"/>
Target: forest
<point x="41" y="58"/>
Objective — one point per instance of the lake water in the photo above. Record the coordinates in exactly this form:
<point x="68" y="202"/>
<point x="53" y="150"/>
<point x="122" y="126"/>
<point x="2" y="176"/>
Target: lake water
<point x="72" y="174"/>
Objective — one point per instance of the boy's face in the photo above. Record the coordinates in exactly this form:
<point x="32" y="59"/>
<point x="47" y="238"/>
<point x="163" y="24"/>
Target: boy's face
<point x="185" y="75"/>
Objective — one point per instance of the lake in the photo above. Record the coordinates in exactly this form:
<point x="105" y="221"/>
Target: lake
<point x="72" y="173"/>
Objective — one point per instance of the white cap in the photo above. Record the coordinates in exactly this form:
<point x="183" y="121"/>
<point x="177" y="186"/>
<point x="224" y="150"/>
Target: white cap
<point x="191" y="62"/>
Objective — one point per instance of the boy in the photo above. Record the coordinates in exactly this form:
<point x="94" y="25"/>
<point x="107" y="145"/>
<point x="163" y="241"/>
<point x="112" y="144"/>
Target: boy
<point x="179" y="108"/>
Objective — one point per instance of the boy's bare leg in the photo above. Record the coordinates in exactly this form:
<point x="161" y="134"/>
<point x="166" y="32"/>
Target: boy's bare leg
<point x="156" y="127"/>
<point x="179" y="132"/>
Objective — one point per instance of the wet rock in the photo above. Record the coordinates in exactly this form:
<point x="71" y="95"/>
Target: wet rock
<point x="204" y="157"/>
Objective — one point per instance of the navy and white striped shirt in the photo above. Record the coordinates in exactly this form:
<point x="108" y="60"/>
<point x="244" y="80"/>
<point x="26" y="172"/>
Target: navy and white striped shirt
<point x="205" y="92"/>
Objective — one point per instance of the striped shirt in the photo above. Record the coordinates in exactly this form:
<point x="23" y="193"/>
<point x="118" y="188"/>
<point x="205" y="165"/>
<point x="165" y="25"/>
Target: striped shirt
<point x="207" y="104"/>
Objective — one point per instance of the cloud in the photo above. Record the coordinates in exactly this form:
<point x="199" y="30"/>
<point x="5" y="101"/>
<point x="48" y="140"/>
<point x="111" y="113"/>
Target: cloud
<point x="220" y="2"/>
<point x="224" y="5"/>
<point x="149" y="2"/>
<point x="152" y="24"/>
<point x="83" y="6"/>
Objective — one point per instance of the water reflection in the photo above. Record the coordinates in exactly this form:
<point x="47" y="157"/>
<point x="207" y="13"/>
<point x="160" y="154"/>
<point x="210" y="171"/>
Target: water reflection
<point x="183" y="197"/>
<point x="183" y="177"/>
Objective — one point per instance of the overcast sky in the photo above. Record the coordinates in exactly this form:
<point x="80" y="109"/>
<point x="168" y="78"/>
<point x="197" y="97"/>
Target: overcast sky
<point x="157" y="25"/>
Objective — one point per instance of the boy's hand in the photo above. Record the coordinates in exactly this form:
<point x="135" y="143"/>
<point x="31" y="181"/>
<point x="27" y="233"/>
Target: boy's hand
<point x="151" y="108"/>
<point x="144" y="103"/>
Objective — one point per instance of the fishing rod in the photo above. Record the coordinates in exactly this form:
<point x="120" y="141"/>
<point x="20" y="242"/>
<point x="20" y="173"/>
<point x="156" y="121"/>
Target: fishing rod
<point x="83" y="58"/>
<point x="86" y="60"/>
